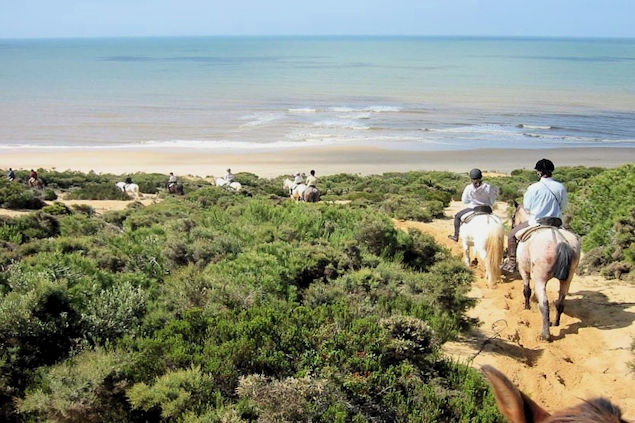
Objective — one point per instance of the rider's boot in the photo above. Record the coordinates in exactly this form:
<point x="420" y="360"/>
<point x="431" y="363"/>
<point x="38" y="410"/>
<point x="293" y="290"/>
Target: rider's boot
<point x="510" y="265"/>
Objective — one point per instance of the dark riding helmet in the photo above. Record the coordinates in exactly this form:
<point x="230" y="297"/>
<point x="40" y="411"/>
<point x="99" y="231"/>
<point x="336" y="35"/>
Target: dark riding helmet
<point x="476" y="174"/>
<point x="544" y="165"/>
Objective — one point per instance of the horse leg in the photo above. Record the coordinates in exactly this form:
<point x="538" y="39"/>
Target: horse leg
<point x="466" y="254"/>
<point x="564" y="289"/>
<point x="541" y="293"/>
<point x="525" y="274"/>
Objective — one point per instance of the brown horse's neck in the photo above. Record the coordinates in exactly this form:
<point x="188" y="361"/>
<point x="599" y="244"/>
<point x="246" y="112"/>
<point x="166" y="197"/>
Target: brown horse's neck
<point x="593" y="411"/>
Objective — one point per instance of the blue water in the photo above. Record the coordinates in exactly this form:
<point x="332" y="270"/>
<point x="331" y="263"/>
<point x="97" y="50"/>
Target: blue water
<point x="276" y="92"/>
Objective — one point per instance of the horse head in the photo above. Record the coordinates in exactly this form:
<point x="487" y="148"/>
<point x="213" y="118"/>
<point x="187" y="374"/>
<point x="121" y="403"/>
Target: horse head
<point x="517" y="407"/>
<point x="520" y="214"/>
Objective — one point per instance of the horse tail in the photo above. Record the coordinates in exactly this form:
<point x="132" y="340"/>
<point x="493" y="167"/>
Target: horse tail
<point x="564" y="258"/>
<point x="494" y="248"/>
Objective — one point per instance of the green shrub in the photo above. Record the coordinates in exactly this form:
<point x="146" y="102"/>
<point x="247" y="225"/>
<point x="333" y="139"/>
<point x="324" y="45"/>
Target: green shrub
<point x="31" y="226"/>
<point x="17" y="196"/>
<point x="83" y="209"/>
<point x="50" y="195"/>
<point x="98" y="191"/>
<point x="603" y="213"/>
<point x="174" y="393"/>
<point x="57" y="209"/>
<point x="85" y="388"/>
<point x="114" y="312"/>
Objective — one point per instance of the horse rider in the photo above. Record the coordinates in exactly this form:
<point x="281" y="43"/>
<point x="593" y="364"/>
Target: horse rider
<point x="311" y="180"/>
<point x="477" y="194"/>
<point x="11" y="175"/>
<point x="297" y="180"/>
<point x="33" y="178"/>
<point x="229" y="176"/>
<point x="128" y="180"/>
<point x="543" y="199"/>
<point x="171" y="180"/>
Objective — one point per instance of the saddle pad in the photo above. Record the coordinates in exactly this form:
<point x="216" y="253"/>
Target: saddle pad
<point x="471" y="215"/>
<point x="526" y="233"/>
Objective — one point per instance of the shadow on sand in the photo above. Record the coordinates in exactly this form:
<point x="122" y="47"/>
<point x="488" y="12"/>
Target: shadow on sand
<point x="595" y="310"/>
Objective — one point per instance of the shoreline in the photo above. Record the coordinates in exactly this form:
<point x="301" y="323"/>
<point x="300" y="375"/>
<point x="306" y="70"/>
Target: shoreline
<point x="325" y="160"/>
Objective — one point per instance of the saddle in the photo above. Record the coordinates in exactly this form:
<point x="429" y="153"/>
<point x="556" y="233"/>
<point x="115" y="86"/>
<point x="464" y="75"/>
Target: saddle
<point x="477" y="211"/>
<point x="543" y="223"/>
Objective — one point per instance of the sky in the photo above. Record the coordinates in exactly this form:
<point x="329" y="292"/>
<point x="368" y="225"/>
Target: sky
<point x="116" y="18"/>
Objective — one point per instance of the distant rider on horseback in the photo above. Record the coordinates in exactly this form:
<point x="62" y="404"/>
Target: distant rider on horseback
<point x="546" y="198"/>
<point x="33" y="178"/>
<point x="477" y="194"/>
<point x="171" y="181"/>
<point x="297" y="180"/>
<point x="229" y="176"/>
<point x="11" y="175"/>
<point x="311" y="180"/>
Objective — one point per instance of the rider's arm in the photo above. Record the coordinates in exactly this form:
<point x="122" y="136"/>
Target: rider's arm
<point x="563" y="200"/>
<point x="467" y="197"/>
<point x="528" y="199"/>
<point x="493" y="193"/>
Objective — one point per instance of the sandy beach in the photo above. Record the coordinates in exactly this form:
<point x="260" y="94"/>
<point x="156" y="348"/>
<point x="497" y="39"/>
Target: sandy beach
<point x="328" y="160"/>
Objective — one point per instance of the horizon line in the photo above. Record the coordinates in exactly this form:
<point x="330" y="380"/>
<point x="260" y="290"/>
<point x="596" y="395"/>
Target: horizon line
<point x="456" y="36"/>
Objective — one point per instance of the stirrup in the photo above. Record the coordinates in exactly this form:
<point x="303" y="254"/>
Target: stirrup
<point x="453" y="238"/>
<point x="509" y="266"/>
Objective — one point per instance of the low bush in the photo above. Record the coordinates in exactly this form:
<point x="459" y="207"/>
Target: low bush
<point x="16" y="196"/>
<point x="98" y="191"/>
<point x="57" y="209"/>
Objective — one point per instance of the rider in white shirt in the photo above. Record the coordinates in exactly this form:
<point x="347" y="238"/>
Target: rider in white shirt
<point x="545" y="198"/>
<point x="476" y="194"/>
<point x="311" y="180"/>
<point x="229" y="176"/>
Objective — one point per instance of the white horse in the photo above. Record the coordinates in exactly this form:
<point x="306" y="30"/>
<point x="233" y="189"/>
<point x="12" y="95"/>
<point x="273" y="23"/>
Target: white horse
<point x="295" y="191"/>
<point x="222" y="182"/>
<point x="484" y="232"/>
<point x="130" y="189"/>
<point x="549" y="253"/>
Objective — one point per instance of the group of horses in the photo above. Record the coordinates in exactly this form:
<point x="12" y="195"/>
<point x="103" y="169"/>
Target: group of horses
<point x="132" y="189"/>
<point x="550" y="252"/>
<point x="302" y="192"/>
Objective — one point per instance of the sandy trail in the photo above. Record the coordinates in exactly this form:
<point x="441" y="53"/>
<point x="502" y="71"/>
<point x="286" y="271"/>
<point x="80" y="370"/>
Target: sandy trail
<point x="591" y="348"/>
<point x="100" y="206"/>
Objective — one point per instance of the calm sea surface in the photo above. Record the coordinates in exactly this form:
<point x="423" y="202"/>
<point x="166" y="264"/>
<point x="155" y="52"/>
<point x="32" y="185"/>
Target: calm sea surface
<point x="265" y="93"/>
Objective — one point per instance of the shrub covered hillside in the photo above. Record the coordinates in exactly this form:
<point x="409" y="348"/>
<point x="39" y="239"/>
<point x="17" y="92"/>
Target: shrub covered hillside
<point x="216" y="307"/>
<point x="603" y="212"/>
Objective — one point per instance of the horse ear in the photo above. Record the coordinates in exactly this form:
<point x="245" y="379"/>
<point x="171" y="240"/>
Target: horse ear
<point x="515" y="406"/>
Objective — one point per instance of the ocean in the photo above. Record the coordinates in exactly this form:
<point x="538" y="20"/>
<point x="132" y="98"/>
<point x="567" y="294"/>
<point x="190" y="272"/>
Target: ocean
<point x="267" y="93"/>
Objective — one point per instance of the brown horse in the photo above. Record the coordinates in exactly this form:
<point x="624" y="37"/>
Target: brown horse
<point x="549" y="252"/>
<point x="35" y="183"/>
<point x="311" y="194"/>
<point x="517" y="407"/>
<point x="175" y="188"/>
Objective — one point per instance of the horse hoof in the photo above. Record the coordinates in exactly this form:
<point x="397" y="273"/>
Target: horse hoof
<point x="546" y="338"/>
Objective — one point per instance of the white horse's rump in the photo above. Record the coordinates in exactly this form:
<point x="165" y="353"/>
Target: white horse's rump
<point x="485" y="233"/>
<point x="222" y="182"/>
<point x="130" y="189"/>
<point x="295" y="191"/>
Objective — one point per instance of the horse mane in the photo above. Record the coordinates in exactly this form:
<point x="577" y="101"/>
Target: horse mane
<point x="590" y="411"/>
